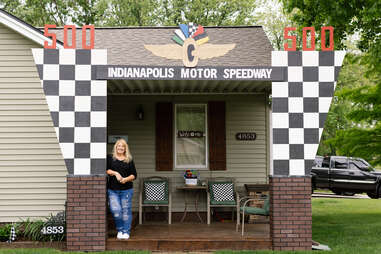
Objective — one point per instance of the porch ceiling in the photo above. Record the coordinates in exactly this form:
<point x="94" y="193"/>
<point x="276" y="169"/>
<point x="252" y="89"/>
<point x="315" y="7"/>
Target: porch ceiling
<point x="127" y="87"/>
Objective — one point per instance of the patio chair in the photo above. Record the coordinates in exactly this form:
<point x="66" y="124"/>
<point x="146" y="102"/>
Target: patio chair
<point x="221" y="192"/>
<point x="245" y="209"/>
<point x="155" y="191"/>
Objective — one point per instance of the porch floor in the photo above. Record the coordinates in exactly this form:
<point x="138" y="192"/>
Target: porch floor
<point x="194" y="237"/>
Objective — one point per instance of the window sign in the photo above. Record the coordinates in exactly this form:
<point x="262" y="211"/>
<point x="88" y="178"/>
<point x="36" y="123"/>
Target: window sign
<point x="191" y="136"/>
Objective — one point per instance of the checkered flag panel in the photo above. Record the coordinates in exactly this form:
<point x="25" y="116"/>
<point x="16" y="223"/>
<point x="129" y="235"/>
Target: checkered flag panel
<point x="12" y="234"/>
<point x="77" y="104"/>
<point x="192" y="27"/>
<point x="155" y="191"/>
<point x="300" y="106"/>
<point x="223" y="191"/>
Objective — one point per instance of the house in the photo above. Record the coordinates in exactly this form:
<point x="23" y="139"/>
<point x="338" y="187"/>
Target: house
<point x="135" y="83"/>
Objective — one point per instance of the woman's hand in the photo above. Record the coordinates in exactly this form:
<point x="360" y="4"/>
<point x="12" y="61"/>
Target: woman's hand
<point x="124" y="180"/>
<point x="127" y="179"/>
<point x="118" y="177"/>
<point x="114" y="173"/>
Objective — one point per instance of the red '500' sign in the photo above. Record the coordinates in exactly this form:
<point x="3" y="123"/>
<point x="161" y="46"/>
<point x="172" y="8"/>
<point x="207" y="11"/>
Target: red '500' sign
<point x="312" y="37"/>
<point x="72" y="29"/>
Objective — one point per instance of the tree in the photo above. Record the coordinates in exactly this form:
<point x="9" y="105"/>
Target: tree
<point x="174" y="12"/>
<point x="208" y="13"/>
<point x="132" y="12"/>
<point x="39" y="12"/>
<point x="273" y="19"/>
<point x="350" y="17"/>
<point x="89" y="12"/>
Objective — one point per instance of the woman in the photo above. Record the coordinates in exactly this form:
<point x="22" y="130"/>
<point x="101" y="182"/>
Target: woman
<point x="122" y="172"/>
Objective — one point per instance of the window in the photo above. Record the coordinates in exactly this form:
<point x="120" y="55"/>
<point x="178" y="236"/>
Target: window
<point x="325" y="162"/>
<point x="190" y="136"/>
<point x="353" y="166"/>
<point x="341" y="163"/>
<point x="361" y="165"/>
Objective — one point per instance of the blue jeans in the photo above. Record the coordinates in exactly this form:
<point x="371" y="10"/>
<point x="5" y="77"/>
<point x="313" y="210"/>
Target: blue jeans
<point x="120" y="202"/>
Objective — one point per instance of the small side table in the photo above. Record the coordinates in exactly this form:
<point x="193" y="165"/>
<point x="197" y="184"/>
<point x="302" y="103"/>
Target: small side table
<point x="188" y="189"/>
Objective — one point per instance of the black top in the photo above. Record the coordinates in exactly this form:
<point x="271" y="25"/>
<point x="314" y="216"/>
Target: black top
<point x="124" y="169"/>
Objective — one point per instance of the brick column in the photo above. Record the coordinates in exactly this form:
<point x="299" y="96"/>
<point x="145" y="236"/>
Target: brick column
<point x="86" y="213"/>
<point x="290" y="212"/>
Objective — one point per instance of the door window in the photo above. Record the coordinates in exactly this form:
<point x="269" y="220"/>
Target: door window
<point x="341" y="163"/>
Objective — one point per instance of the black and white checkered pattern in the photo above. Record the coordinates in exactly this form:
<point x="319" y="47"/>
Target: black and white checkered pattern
<point x="12" y="234"/>
<point x="300" y="105"/>
<point x="223" y="191"/>
<point x="192" y="28"/>
<point x="155" y="191"/>
<point x="77" y="104"/>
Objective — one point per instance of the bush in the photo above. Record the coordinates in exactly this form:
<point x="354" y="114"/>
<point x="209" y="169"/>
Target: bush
<point x="5" y="231"/>
<point x="41" y="230"/>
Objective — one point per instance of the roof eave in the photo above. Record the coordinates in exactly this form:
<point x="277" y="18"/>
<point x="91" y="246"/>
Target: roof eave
<point x="25" y="29"/>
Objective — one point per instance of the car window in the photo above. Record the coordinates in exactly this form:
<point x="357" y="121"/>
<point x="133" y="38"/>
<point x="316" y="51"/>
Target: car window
<point x="353" y="166"/>
<point x="325" y="163"/>
<point x="362" y="166"/>
<point x="341" y="163"/>
<point x="318" y="161"/>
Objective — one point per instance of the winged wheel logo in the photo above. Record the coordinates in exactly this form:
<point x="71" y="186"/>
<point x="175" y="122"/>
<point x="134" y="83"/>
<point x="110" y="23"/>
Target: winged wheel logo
<point x="191" y="45"/>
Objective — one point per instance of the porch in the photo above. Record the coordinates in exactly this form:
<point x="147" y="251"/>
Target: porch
<point x="245" y="109"/>
<point x="193" y="237"/>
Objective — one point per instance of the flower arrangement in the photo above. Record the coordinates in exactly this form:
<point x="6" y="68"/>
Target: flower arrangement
<point x="190" y="174"/>
<point x="191" y="177"/>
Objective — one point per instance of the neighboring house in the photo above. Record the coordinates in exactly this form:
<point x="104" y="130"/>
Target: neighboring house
<point x="32" y="170"/>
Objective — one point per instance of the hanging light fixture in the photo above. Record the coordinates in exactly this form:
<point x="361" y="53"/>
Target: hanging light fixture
<point x="140" y="113"/>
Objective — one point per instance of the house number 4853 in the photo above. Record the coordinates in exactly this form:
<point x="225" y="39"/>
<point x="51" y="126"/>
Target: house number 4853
<point x="51" y="230"/>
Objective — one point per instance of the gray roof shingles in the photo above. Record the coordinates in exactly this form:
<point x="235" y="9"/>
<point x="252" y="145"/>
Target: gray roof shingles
<point x="126" y="45"/>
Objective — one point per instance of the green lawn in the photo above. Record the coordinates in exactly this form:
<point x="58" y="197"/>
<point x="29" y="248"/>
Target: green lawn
<point x="348" y="226"/>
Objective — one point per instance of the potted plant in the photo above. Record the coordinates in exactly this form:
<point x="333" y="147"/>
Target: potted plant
<point x="190" y="177"/>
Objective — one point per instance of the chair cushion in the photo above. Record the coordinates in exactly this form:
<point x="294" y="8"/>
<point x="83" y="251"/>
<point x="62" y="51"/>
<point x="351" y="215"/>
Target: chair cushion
<point x="254" y="210"/>
<point x="155" y="192"/>
<point x="223" y="203"/>
<point x="222" y="193"/>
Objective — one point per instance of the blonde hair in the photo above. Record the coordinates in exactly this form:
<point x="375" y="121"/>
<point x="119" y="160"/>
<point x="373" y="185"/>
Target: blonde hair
<point x="127" y="154"/>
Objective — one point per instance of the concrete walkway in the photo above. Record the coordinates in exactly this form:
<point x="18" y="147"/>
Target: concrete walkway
<point x="331" y="195"/>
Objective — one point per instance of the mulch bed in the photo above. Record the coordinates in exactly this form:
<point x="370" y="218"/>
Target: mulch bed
<point x="34" y="245"/>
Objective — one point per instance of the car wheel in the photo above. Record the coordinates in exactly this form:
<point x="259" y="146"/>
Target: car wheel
<point x="372" y="195"/>
<point x="348" y="193"/>
<point x="337" y="192"/>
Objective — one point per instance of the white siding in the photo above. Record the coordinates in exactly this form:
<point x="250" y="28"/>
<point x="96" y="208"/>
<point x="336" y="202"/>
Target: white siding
<point x="246" y="160"/>
<point x="32" y="170"/>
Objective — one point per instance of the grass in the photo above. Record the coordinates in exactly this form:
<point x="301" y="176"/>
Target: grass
<point x="54" y="251"/>
<point x="347" y="226"/>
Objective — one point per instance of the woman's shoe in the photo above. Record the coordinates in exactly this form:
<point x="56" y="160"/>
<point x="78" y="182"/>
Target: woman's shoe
<point x="125" y="236"/>
<point x="120" y="235"/>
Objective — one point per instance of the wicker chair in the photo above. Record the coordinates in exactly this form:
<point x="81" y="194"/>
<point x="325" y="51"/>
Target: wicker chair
<point x="155" y="191"/>
<point x="221" y="192"/>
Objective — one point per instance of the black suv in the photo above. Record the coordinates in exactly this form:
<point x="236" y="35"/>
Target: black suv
<point x="345" y="175"/>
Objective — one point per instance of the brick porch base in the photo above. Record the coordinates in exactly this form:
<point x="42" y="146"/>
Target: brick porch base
<point x="86" y="213"/>
<point x="290" y="213"/>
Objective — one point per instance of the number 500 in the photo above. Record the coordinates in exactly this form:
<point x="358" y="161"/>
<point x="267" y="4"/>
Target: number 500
<point x="66" y="45"/>
<point x="312" y="36"/>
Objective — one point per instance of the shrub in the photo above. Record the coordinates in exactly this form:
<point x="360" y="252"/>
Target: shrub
<point x="41" y="230"/>
<point x="5" y="231"/>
